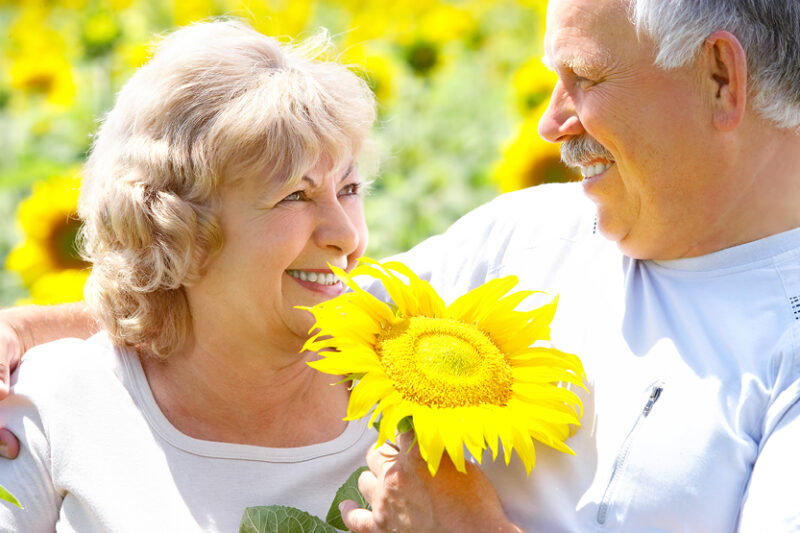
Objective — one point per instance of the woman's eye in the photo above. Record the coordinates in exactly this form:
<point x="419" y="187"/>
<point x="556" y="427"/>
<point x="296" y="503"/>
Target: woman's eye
<point x="351" y="189"/>
<point x="296" y="196"/>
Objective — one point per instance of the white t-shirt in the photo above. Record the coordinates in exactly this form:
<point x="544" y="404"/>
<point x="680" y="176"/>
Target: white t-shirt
<point x="714" y="340"/>
<point x="99" y="455"/>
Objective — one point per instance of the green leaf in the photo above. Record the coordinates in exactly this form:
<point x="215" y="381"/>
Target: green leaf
<point x="280" y="519"/>
<point x="7" y="496"/>
<point x="348" y="491"/>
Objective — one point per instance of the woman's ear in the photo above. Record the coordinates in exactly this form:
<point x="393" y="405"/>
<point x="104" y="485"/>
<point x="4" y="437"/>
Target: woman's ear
<point x="724" y="71"/>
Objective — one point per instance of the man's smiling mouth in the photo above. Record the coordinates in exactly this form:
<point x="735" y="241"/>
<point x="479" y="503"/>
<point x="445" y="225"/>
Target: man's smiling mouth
<point x="589" y="171"/>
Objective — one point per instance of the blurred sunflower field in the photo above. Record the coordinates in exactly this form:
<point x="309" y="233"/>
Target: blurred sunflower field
<point x="460" y="86"/>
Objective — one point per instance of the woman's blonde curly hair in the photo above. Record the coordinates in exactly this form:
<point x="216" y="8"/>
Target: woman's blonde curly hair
<point x="217" y="102"/>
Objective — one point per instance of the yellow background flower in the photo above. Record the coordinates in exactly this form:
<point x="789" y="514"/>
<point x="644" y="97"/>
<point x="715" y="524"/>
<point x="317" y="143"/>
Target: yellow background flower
<point x="47" y="259"/>
<point x="471" y="375"/>
<point x="529" y="160"/>
<point x="38" y="63"/>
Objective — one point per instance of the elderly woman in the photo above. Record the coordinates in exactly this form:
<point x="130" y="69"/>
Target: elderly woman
<point x="219" y="189"/>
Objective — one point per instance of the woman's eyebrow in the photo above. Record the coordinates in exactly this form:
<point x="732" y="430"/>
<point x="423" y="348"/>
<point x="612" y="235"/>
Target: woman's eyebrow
<point x="349" y="171"/>
<point x="344" y="176"/>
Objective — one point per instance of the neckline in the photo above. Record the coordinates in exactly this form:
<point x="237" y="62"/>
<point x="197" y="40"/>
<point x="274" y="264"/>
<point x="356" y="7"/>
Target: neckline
<point x="743" y="255"/>
<point x="354" y="431"/>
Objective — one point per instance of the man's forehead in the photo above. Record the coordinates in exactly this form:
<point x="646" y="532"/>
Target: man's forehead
<point x="585" y="22"/>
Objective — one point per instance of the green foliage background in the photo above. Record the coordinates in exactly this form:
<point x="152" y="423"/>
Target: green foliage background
<point x="442" y="70"/>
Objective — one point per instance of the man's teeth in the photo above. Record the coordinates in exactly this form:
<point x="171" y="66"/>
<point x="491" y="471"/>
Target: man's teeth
<point x="314" y="277"/>
<point x="593" y="170"/>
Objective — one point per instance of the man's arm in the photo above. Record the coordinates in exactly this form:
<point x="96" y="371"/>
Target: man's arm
<point x="405" y="498"/>
<point x="22" y="328"/>
<point x="771" y="500"/>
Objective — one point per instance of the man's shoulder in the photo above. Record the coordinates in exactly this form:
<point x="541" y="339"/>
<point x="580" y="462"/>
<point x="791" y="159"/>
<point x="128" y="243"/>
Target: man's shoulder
<point x="543" y="212"/>
<point x="552" y="204"/>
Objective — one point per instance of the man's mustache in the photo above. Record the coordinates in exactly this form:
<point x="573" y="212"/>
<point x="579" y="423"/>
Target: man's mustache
<point x="580" y="151"/>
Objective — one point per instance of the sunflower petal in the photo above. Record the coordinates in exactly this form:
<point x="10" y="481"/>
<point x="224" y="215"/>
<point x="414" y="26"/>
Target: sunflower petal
<point x="366" y="394"/>
<point x="450" y="424"/>
<point x="467" y="308"/>
<point x="429" y="438"/>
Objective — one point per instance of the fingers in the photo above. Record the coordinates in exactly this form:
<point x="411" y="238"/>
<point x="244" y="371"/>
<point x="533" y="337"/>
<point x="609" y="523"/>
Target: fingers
<point x="5" y="380"/>
<point x="367" y="485"/>
<point x="379" y="461"/>
<point x="9" y="445"/>
<point x="357" y="519"/>
<point x="406" y="440"/>
<point x="379" y="455"/>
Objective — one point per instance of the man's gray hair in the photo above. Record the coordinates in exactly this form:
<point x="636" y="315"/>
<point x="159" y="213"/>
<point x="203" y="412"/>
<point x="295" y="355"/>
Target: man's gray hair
<point x="769" y="31"/>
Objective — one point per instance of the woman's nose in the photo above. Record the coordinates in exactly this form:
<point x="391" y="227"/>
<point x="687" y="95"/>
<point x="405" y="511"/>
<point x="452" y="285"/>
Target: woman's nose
<point x="337" y="229"/>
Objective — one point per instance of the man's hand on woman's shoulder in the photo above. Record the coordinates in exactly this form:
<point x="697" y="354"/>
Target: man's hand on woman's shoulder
<point x="22" y="328"/>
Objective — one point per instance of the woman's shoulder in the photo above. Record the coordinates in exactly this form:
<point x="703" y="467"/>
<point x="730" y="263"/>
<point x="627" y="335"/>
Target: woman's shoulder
<point x="67" y="366"/>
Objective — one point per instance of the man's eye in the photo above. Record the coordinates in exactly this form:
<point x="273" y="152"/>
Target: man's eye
<point x="351" y="189"/>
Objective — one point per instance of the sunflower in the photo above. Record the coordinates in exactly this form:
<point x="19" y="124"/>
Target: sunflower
<point x="533" y="84"/>
<point x="47" y="260"/>
<point x="377" y="67"/>
<point x="38" y="63"/>
<point x="468" y="374"/>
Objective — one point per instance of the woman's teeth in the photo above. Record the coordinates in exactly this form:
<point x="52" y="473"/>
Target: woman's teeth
<point x="593" y="170"/>
<point x="314" y="277"/>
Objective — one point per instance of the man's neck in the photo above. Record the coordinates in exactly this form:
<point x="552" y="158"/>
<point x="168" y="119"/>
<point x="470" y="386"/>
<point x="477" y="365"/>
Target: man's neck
<point x="764" y="171"/>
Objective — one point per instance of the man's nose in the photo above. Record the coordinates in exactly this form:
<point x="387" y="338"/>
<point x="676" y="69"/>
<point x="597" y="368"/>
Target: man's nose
<point x="560" y="120"/>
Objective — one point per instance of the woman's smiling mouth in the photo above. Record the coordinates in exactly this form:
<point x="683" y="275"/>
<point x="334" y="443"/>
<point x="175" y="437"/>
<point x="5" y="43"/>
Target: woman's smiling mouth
<point x="320" y="278"/>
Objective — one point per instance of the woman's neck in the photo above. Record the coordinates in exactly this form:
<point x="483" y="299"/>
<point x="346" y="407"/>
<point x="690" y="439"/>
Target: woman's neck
<point x="270" y="398"/>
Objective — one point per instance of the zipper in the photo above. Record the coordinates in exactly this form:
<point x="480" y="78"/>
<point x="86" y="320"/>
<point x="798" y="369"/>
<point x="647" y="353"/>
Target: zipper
<point x="622" y="455"/>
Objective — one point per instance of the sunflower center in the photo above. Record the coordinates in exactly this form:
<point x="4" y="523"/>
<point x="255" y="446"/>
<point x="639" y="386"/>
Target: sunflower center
<point x="444" y="363"/>
<point x="62" y="244"/>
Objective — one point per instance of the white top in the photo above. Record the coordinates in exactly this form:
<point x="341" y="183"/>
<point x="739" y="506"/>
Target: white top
<point x="99" y="455"/>
<point x="714" y="340"/>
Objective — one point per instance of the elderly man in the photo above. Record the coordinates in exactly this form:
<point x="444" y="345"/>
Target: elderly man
<point x="682" y="117"/>
<point x="679" y="282"/>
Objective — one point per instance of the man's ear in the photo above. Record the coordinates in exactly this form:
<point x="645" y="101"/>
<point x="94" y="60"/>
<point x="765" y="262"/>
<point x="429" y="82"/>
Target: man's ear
<point x="724" y="68"/>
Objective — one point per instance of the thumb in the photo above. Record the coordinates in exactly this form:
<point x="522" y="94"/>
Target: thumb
<point x="406" y="440"/>
<point x="9" y="445"/>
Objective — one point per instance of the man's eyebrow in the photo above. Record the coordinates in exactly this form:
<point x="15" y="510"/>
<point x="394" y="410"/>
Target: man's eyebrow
<point x="583" y="61"/>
